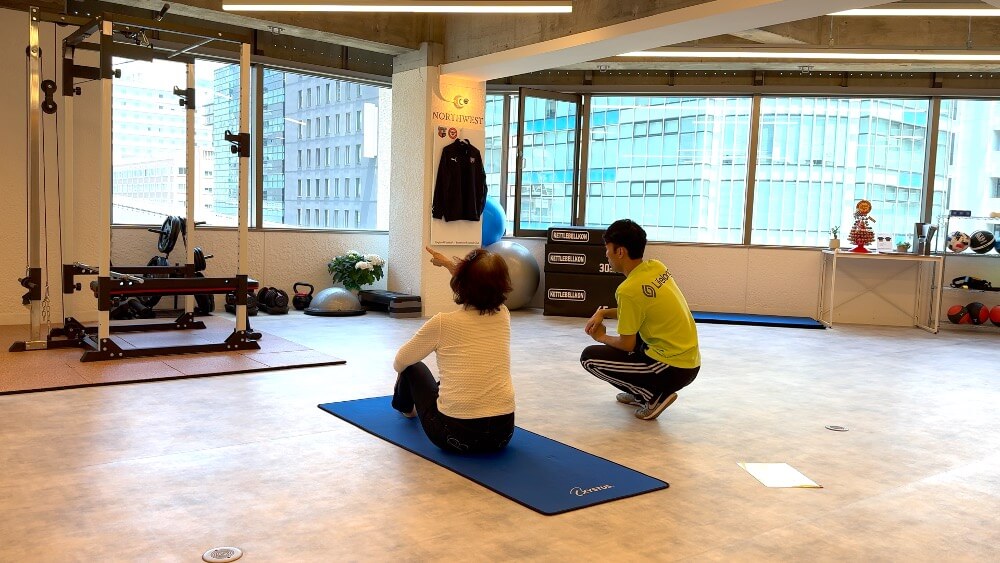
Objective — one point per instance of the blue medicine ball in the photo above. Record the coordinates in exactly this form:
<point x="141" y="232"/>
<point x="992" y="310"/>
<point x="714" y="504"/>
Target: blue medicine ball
<point x="494" y="222"/>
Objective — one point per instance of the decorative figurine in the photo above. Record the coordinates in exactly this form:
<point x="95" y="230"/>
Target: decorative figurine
<point x="861" y="232"/>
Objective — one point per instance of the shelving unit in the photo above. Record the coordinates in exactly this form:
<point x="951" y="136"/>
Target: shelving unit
<point x="968" y="263"/>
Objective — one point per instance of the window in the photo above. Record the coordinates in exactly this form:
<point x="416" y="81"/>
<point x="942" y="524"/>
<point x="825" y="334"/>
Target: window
<point x="676" y="165"/>
<point x="679" y="165"/>
<point x="966" y="177"/>
<point x="322" y="160"/>
<point x="150" y="151"/>
<point x="818" y="156"/>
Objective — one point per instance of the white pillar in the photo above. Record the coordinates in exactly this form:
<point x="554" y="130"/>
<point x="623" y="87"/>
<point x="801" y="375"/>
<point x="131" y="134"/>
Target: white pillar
<point x="422" y="103"/>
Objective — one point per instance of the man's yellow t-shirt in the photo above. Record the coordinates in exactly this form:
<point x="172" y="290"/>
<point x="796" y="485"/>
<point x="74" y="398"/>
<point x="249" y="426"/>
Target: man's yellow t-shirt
<point x="651" y="304"/>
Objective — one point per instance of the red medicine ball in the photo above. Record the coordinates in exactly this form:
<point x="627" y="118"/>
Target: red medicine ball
<point x="958" y="314"/>
<point x="995" y="315"/>
<point x="978" y="313"/>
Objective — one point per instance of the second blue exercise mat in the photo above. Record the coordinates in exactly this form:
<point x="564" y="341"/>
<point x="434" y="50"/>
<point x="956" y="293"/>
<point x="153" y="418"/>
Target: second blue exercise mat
<point x="758" y="320"/>
<point x="542" y="474"/>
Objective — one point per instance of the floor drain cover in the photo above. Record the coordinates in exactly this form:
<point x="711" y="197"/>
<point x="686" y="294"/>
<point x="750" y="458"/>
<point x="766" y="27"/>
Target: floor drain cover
<point x="837" y="428"/>
<point x="222" y="554"/>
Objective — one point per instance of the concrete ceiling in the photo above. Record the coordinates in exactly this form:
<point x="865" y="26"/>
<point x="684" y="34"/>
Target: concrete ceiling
<point x="492" y="46"/>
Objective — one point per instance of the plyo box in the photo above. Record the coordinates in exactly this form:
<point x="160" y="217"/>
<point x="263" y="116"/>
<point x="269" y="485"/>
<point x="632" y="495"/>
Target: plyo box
<point x="575" y="295"/>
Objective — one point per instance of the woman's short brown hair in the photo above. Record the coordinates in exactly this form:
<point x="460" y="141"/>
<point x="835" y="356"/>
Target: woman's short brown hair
<point x="481" y="280"/>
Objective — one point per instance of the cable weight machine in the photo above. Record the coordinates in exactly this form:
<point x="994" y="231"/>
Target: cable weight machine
<point x="121" y="282"/>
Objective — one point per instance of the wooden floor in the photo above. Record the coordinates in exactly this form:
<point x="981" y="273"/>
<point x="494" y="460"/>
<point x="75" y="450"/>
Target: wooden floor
<point x="61" y="368"/>
<point x="164" y="471"/>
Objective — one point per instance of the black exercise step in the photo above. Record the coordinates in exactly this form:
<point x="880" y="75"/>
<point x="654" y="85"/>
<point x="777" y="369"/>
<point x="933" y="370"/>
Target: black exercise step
<point x="383" y="297"/>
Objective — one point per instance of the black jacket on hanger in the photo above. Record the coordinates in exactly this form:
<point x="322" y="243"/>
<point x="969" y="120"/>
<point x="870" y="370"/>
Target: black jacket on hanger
<point x="460" y="188"/>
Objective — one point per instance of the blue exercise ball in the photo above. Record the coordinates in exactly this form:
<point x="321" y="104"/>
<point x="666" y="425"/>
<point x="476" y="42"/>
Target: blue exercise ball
<point x="494" y="222"/>
<point x="524" y="272"/>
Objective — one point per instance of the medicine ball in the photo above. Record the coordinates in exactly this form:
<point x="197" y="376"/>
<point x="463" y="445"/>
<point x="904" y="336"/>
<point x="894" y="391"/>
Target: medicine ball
<point x="978" y="313"/>
<point x="958" y="241"/>
<point x="995" y="315"/>
<point x="981" y="242"/>
<point x="958" y="314"/>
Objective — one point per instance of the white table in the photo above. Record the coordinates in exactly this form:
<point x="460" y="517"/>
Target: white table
<point x="929" y="272"/>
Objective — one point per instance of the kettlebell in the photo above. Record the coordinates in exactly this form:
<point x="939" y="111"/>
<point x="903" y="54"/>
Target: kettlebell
<point x="302" y="300"/>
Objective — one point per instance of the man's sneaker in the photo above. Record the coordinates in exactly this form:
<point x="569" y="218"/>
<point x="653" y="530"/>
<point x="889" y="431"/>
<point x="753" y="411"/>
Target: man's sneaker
<point x="628" y="399"/>
<point x="654" y="408"/>
<point x="411" y="414"/>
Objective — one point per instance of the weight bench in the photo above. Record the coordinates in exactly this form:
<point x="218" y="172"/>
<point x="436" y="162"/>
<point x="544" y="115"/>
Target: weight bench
<point x="398" y="305"/>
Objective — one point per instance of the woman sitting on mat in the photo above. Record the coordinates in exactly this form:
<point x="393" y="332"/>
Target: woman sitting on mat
<point x="472" y="408"/>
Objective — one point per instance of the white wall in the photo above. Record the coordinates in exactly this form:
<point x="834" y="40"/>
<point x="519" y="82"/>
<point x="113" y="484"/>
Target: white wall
<point x="714" y="278"/>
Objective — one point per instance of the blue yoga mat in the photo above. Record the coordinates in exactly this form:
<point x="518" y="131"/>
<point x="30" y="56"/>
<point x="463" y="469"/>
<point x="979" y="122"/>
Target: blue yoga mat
<point x="542" y="474"/>
<point x="759" y="320"/>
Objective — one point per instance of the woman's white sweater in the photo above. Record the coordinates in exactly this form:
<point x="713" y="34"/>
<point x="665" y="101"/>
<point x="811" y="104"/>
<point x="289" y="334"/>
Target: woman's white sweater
<point x="473" y="357"/>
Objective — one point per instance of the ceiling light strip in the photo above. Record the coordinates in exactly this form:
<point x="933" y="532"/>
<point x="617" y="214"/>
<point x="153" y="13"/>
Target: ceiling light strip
<point x="819" y="55"/>
<point x="402" y="6"/>
<point x="933" y="12"/>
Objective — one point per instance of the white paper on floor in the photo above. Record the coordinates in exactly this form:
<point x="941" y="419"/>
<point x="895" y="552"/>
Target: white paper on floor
<point x="779" y="475"/>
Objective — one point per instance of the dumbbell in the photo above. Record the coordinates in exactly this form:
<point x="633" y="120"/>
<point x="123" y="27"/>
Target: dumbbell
<point x="272" y="301"/>
<point x="251" y="303"/>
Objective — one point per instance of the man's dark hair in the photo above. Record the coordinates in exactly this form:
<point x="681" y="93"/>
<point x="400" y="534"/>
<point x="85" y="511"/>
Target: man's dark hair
<point x="482" y="281"/>
<point x="628" y="234"/>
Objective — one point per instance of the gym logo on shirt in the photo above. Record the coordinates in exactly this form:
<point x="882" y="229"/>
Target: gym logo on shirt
<point x="650" y="290"/>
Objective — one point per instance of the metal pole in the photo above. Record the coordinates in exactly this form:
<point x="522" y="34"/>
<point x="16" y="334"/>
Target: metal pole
<point x="104" y="179"/>
<point x="68" y="225"/>
<point x="241" y="310"/>
<point x="189" y="177"/>
<point x="34" y="176"/>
